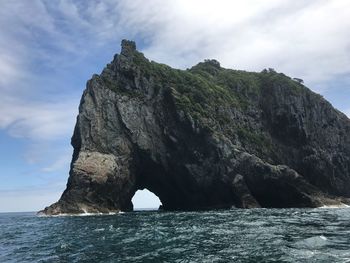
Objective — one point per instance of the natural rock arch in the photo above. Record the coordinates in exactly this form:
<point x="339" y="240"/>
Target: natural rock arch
<point x="203" y="138"/>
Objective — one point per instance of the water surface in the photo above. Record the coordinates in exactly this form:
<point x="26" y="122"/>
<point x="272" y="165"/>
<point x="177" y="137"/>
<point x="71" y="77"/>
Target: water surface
<point x="256" y="235"/>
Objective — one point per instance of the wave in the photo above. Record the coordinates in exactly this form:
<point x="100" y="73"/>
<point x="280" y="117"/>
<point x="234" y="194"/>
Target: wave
<point x="82" y="214"/>
<point x="341" y="205"/>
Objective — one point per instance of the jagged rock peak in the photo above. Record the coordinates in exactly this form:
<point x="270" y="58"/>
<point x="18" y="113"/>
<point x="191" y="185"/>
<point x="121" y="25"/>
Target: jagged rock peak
<point x="128" y="47"/>
<point x="211" y="66"/>
<point x="212" y="62"/>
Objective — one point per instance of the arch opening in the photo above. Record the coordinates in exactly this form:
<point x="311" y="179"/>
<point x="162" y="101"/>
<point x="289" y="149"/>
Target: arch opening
<point x="145" y="200"/>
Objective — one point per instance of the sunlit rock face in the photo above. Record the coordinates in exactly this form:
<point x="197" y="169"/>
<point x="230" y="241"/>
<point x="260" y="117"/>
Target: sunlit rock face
<point x="203" y="138"/>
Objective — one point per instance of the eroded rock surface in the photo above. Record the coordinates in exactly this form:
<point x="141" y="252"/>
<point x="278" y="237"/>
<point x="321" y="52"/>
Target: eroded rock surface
<point x="202" y="138"/>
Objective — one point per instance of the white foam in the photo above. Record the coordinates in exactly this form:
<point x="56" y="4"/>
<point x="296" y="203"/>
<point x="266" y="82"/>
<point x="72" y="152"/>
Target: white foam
<point x="312" y="242"/>
<point x="341" y="205"/>
<point x="64" y="246"/>
<point x="82" y="214"/>
<point x="99" y="229"/>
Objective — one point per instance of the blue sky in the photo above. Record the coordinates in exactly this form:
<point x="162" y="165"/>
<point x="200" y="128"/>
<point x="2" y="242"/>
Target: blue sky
<point x="49" y="49"/>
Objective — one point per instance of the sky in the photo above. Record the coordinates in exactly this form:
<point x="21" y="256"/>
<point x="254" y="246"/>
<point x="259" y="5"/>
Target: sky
<point x="49" y="49"/>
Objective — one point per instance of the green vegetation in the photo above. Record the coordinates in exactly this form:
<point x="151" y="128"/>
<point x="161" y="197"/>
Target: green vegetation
<point x="271" y="78"/>
<point x="258" y="139"/>
<point x="192" y="91"/>
<point x="213" y="95"/>
<point x="115" y="86"/>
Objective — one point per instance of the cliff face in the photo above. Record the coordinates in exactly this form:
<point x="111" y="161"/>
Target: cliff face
<point x="206" y="137"/>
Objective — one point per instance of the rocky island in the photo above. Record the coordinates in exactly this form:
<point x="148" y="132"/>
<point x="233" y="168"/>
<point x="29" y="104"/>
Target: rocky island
<point x="203" y="138"/>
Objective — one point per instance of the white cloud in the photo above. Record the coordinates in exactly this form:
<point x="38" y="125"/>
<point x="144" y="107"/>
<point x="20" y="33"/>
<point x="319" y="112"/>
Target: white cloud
<point x="301" y="38"/>
<point x="347" y="112"/>
<point x="38" y="121"/>
<point x="304" y="39"/>
<point x="60" y="163"/>
<point x="8" y="69"/>
<point x="21" y="53"/>
<point x="29" y="200"/>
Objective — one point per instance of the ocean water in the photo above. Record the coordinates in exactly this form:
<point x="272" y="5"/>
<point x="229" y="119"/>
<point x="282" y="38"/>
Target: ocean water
<point x="237" y="235"/>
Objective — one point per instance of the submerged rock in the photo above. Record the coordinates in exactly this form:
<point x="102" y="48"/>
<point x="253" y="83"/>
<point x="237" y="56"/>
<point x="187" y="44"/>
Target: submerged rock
<point x="202" y="138"/>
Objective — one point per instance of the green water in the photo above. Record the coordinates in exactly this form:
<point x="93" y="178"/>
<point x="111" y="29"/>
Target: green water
<point x="258" y="235"/>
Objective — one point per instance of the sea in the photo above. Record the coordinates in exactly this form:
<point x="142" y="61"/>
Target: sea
<point x="236" y="235"/>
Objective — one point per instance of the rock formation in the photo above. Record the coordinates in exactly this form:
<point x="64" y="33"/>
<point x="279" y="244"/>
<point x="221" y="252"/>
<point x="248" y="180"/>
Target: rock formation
<point x="203" y="138"/>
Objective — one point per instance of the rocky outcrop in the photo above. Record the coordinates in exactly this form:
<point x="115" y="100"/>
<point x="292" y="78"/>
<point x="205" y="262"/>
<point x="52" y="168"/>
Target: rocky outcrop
<point x="202" y="138"/>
